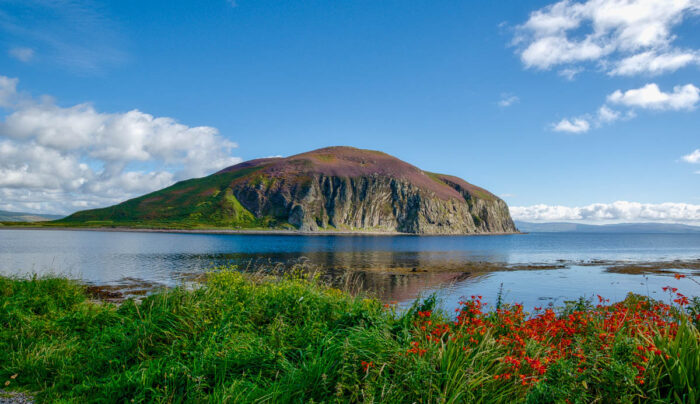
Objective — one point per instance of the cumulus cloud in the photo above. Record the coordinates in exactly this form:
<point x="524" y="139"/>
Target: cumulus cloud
<point x="653" y="63"/>
<point x="59" y="158"/>
<point x="508" y="99"/>
<point x="620" y="211"/>
<point x="620" y="37"/>
<point x="651" y="97"/>
<point x="22" y="54"/>
<point x="631" y="36"/>
<point x="575" y="125"/>
<point x="648" y="97"/>
<point x="119" y="138"/>
<point x="693" y="157"/>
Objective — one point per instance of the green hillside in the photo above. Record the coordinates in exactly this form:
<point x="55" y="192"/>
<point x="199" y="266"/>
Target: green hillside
<point x="198" y="202"/>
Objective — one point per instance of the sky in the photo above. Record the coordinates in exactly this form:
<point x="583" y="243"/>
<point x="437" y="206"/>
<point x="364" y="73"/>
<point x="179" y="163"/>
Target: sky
<point x="569" y="111"/>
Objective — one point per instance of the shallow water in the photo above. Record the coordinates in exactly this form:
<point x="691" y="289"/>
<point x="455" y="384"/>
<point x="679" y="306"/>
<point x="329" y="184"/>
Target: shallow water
<point x="395" y="267"/>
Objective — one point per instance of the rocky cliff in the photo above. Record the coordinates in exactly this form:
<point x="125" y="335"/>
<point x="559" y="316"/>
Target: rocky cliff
<point x="336" y="188"/>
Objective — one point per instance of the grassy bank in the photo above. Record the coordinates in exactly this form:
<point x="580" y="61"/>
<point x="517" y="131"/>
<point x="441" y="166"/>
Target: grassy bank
<point x="243" y="338"/>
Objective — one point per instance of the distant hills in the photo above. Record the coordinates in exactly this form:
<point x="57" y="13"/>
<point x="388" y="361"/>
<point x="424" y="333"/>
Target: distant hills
<point x="332" y="189"/>
<point x="559" y="227"/>
<point x="6" y="216"/>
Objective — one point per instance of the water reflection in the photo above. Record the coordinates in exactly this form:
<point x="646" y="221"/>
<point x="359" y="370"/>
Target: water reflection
<point x="396" y="268"/>
<point x="554" y="287"/>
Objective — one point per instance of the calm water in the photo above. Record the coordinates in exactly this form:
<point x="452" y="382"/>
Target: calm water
<point x="383" y="264"/>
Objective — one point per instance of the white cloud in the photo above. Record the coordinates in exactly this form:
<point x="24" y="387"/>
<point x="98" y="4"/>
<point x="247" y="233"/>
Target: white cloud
<point x="693" y="157"/>
<point x="551" y="51"/>
<point x="55" y="157"/>
<point x="27" y="165"/>
<point x="651" y="97"/>
<point x="620" y="37"/>
<point x="614" y="32"/>
<point x="116" y="138"/>
<point x="620" y="211"/>
<point x="508" y="100"/>
<point x="653" y="63"/>
<point x="607" y="115"/>
<point x="22" y="54"/>
<point x="647" y="97"/>
<point x="8" y="91"/>
<point x="575" y="125"/>
<point x="570" y="73"/>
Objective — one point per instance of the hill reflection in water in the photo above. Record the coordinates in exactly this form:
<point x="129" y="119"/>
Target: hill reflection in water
<point x="536" y="269"/>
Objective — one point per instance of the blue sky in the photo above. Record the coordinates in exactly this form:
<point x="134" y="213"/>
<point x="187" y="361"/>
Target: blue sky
<point x="460" y="87"/>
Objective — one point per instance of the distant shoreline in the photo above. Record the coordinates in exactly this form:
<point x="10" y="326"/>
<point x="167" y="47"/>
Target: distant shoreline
<point x="276" y="232"/>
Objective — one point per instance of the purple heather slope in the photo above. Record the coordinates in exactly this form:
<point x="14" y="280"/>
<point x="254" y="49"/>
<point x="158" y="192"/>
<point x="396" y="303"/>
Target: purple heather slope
<point x="344" y="161"/>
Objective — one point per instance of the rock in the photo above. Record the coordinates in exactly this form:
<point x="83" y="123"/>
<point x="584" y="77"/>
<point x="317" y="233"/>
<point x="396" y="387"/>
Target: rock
<point x="12" y="397"/>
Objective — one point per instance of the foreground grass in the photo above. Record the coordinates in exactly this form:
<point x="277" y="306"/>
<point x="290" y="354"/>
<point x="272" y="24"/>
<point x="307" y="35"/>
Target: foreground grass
<point x="243" y="338"/>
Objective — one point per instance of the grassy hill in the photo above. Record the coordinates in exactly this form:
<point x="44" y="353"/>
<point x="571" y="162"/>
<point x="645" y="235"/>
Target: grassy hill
<point x="336" y="188"/>
<point x="199" y="202"/>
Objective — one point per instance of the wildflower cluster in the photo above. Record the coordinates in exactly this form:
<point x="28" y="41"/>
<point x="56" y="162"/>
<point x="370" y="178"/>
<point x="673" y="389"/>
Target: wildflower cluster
<point x="591" y="340"/>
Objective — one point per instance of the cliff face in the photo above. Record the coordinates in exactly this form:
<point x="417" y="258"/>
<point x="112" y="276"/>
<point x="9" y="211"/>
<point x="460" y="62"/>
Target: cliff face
<point x="374" y="203"/>
<point x="336" y="188"/>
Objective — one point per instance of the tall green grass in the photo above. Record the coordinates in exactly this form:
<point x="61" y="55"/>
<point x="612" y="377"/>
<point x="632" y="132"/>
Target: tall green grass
<point x="249" y="338"/>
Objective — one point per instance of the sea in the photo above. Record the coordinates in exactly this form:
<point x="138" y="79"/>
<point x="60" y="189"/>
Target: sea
<point x="535" y="269"/>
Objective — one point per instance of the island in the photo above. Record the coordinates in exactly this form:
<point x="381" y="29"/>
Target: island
<point x="334" y="189"/>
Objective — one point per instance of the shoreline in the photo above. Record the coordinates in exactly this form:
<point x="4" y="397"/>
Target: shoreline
<point x="274" y="232"/>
